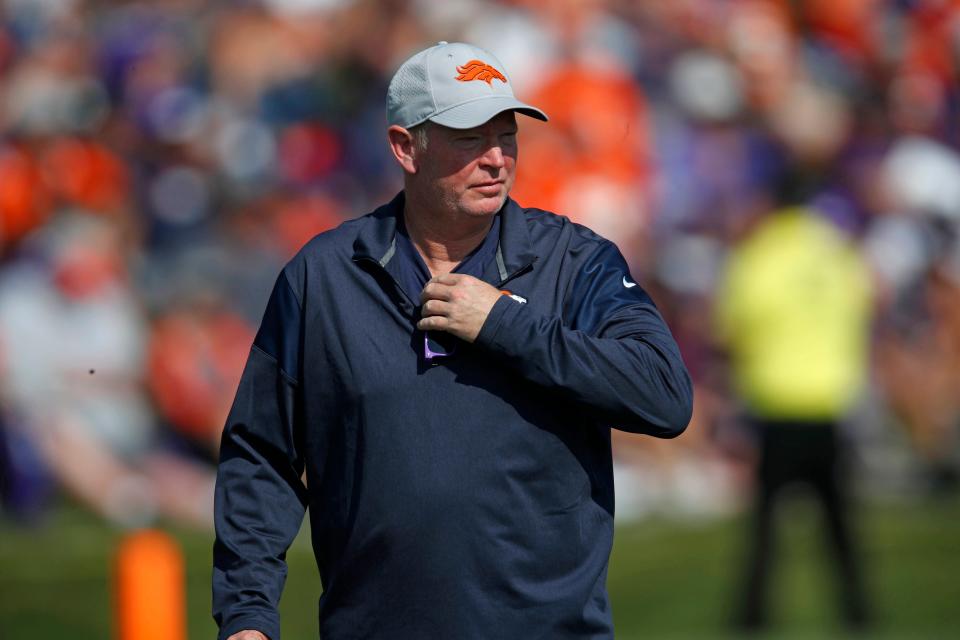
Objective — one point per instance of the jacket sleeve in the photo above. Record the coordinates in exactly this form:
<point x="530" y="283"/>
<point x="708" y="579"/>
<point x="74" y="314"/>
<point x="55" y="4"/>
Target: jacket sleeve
<point x="260" y="499"/>
<point x="610" y="350"/>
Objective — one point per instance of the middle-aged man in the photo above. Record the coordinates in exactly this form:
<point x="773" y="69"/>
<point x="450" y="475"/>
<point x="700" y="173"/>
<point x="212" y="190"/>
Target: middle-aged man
<point x="446" y="371"/>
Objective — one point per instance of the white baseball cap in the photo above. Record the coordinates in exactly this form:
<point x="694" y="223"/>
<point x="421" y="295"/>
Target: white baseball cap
<point x="453" y="84"/>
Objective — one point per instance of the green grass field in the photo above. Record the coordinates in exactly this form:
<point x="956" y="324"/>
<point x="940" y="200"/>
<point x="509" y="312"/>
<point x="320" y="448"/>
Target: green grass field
<point x="667" y="579"/>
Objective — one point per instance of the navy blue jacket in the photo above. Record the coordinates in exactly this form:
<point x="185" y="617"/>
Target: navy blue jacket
<point x="465" y="497"/>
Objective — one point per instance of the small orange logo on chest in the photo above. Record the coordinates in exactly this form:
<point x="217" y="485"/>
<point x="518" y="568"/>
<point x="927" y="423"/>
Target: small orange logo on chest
<point x="479" y="70"/>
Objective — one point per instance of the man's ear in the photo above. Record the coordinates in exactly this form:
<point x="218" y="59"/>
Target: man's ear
<point x="403" y="147"/>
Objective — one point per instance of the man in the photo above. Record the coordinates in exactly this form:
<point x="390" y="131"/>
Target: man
<point x="446" y="370"/>
<point x="794" y="309"/>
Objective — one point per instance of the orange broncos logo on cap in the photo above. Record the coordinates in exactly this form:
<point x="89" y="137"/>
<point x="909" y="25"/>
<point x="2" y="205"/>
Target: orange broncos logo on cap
<point x="479" y="70"/>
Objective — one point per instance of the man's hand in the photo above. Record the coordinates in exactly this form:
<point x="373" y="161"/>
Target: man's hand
<point x="456" y="303"/>
<point x="248" y="634"/>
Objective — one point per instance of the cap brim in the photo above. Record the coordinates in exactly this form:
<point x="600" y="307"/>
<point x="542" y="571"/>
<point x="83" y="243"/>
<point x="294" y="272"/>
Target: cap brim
<point x="476" y="112"/>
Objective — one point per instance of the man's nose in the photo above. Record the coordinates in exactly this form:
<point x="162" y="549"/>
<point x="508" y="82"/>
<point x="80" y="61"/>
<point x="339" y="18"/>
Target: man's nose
<point x="493" y="157"/>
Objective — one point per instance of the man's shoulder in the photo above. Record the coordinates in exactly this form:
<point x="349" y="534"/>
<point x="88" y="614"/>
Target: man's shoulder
<point x="340" y="241"/>
<point x="330" y="251"/>
<point x="330" y="243"/>
<point x="549" y="228"/>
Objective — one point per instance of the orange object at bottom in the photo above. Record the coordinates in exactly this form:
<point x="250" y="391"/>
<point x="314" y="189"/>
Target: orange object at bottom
<point x="150" y="598"/>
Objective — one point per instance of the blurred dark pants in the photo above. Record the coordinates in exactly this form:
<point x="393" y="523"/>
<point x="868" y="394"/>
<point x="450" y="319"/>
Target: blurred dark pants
<point x="812" y="454"/>
<point x="26" y="483"/>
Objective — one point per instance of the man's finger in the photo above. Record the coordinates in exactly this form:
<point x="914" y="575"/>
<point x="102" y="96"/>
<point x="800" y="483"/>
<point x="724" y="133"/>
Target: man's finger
<point x="434" y="323"/>
<point x="435" y="308"/>
<point x="448" y="279"/>
<point x="435" y="291"/>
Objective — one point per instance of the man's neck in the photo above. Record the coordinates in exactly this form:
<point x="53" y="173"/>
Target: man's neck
<point x="444" y="240"/>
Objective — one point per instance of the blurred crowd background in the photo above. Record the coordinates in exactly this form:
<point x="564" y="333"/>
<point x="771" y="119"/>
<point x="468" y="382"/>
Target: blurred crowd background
<point x="161" y="160"/>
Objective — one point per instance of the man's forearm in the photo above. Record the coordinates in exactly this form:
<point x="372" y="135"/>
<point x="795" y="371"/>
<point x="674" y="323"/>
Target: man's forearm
<point x="635" y="378"/>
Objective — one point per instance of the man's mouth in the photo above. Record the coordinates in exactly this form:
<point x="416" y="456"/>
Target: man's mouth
<point x="489" y="186"/>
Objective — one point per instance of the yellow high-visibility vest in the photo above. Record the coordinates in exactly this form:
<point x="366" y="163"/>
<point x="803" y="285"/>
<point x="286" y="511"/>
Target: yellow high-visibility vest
<point x="794" y="309"/>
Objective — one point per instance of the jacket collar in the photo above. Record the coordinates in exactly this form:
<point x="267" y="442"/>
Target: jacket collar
<point x="516" y="248"/>
<point x="376" y="239"/>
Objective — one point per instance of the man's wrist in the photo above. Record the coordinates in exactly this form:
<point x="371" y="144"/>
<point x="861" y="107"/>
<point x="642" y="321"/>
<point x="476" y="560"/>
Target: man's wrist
<point x="247" y="624"/>
<point x="502" y="311"/>
<point x="249" y="634"/>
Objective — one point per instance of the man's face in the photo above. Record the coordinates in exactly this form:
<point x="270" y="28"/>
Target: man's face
<point x="470" y="171"/>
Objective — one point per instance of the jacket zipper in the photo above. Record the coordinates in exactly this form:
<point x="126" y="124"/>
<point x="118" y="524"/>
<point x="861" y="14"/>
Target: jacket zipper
<point x="396" y="285"/>
<point x="516" y="274"/>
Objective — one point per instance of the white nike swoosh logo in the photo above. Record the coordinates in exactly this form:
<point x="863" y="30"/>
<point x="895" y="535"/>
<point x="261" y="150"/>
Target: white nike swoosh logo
<point x="628" y="284"/>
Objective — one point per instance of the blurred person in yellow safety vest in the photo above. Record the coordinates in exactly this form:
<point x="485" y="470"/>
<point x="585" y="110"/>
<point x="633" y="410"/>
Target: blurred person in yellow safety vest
<point x="794" y="310"/>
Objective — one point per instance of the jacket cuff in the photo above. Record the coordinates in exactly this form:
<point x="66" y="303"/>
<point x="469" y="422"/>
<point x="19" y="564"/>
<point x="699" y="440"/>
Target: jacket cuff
<point x="269" y="626"/>
<point x="496" y="331"/>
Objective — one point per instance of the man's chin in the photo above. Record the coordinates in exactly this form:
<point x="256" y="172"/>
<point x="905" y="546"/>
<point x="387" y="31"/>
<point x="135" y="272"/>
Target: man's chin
<point x="487" y="206"/>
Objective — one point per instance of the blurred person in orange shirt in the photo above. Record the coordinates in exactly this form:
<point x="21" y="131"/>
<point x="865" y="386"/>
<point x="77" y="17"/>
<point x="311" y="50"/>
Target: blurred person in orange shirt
<point x="195" y="357"/>
<point x="25" y="198"/>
